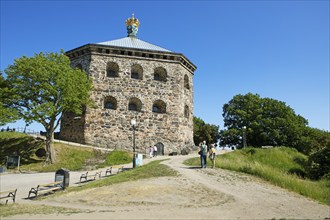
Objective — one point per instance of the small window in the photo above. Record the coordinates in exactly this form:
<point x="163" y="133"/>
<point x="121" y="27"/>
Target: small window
<point x="157" y="77"/>
<point x="136" y="72"/>
<point x="134" y="75"/>
<point x="186" y="82"/>
<point x="132" y="107"/>
<point x="135" y="104"/>
<point x="155" y="109"/>
<point x="110" y="103"/>
<point x="112" y="69"/>
<point x="160" y="74"/>
<point x="159" y="107"/>
<point x="186" y="111"/>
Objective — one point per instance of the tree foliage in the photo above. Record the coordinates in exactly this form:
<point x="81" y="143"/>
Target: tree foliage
<point x="203" y="131"/>
<point x="7" y="114"/>
<point x="45" y="85"/>
<point x="314" y="140"/>
<point x="267" y="122"/>
<point x="318" y="164"/>
<point x="272" y="122"/>
<point x="316" y="144"/>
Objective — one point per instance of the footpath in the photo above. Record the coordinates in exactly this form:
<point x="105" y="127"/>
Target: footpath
<point x="194" y="194"/>
<point x="23" y="182"/>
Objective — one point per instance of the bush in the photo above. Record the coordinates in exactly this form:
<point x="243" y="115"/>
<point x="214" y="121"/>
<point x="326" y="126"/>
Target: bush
<point x="318" y="164"/>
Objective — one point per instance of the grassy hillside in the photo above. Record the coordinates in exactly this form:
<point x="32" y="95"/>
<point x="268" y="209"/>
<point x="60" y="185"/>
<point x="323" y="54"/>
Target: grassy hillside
<point x="150" y="170"/>
<point x="21" y="144"/>
<point x="153" y="169"/>
<point x="281" y="166"/>
<point x="69" y="157"/>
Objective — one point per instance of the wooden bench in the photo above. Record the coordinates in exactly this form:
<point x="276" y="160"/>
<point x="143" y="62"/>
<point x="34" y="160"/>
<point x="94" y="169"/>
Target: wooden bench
<point x="118" y="167"/>
<point x="46" y="188"/>
<point x="109" y="170"/>
<point x="90" y="177"/>
<point x="9" y="194"/>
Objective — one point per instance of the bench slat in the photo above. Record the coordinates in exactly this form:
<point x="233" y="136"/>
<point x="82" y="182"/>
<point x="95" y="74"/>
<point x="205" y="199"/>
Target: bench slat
<point x="51" y="184"/>
<point x="8" y="191"/>
<point x="50" y="189"/>
<point x="91" y="176"/>
<point x="43" y="188"/>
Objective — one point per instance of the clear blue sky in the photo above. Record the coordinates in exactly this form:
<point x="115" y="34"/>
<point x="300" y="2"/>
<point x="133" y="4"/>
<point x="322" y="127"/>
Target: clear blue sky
<point x="278" y="49"/>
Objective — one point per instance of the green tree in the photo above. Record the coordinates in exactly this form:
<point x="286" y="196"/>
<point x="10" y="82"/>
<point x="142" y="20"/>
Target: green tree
<point x="7" y="114"/>
<point x="318" y="164"/>
<point x="267" y="122"/>
<point x="313" y="140"/>
<point x="45" y="85"/>
<point x="203" y="131"/>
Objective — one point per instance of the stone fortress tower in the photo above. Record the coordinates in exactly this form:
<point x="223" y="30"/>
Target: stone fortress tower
<point x="133" y="79"/>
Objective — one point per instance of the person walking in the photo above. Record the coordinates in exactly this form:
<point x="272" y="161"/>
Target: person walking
<point x="212" y="155"/>
<point x="155" y="151"/>
<point x="203" y="154"/>
<point x="150" y="152"/>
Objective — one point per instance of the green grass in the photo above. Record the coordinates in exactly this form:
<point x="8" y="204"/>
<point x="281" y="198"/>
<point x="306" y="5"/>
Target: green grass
<point x="69" y="157"/>
<point x="18" y="143"/>
<point x="23" y="209"/>
<point x="280" y="166"/>
<point x="151" y="170"/>
<point x="117" y="157"/>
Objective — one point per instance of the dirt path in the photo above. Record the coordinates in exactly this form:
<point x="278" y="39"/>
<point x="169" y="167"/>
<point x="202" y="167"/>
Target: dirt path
<point x="195" y="194"/>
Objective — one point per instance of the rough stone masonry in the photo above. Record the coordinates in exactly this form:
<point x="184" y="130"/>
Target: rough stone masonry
<point x="133" y="79"/>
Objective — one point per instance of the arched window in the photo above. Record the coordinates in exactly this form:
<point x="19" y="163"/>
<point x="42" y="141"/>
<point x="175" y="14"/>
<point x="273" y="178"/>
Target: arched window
<point x="110" y="103"/>
<point x="112" y="69"/>
<point x="135" y="104"/>
<point x="159" y="107"/>
<point x="136" y="72"/>
<point x="160" y="74"/>
<point x="186" y="111"/>
<point x="186" y="82"/>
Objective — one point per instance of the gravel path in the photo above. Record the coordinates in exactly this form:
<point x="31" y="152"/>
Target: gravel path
<point x="195" y="194"/>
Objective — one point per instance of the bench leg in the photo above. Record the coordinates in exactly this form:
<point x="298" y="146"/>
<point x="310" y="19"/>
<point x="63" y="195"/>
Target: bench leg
<point x="14" y="199"/>
<point x="35" y="192"/>
<point x="13" y="195"/>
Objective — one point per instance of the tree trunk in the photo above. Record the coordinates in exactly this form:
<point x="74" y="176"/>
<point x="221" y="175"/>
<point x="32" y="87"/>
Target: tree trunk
<point x="51" y="157"/>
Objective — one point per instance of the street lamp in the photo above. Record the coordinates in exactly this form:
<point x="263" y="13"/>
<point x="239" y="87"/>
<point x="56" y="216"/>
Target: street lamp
<point x="133" y="123"/>
<point x="244" y="136"/>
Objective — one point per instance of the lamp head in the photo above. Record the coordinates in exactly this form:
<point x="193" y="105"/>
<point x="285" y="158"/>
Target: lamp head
<point x="133" y="122"/>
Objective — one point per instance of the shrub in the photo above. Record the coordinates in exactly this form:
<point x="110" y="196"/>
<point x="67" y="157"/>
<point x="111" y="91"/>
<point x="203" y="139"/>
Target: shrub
<point x="318" y="164"/>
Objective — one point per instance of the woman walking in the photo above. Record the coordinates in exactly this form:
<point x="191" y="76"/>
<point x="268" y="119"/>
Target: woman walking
<point x="212" y="155"/>
<point x="203" y="153"/>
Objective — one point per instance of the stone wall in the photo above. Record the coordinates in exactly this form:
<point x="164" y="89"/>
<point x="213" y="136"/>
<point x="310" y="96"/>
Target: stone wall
<point x="111" y="128"/>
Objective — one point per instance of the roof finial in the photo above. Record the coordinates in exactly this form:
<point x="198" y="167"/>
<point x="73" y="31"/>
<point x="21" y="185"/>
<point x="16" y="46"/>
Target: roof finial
<point x="132" y="25"/>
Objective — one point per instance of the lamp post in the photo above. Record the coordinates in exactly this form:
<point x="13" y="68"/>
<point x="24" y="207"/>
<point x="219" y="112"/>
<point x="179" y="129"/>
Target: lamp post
<point x="133" y="123"/>
<point x="244" y="136"/>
